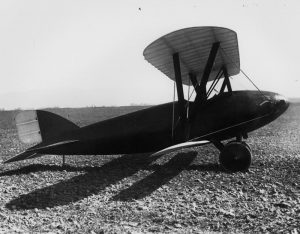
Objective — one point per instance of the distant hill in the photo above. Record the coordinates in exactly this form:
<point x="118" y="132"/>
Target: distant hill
<point x="80" y="116"/>
<point x="294" y="100"/>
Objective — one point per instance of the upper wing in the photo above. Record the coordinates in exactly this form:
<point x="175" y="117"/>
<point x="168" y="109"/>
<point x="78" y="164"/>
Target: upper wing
<point x="180" y="146"/>
<point x="193" y="45"/>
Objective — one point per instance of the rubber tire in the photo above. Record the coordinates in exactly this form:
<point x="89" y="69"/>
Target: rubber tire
<point x="248" y="146"/>
<point x="243" y="142"/>
<point x="236" y="156"/>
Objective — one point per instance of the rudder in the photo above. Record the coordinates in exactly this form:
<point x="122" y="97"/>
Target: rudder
<point x="36" y="126"/>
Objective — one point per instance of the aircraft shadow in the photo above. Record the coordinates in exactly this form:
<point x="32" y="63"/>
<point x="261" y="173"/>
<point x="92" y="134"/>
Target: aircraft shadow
<point x="42" y="167"/>
<point x="97" y="179"/>
<point x="162" y="175"/>
<point x="83" y="185"/>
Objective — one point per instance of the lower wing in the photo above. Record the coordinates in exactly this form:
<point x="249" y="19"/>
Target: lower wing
<point x="180" y="146"/>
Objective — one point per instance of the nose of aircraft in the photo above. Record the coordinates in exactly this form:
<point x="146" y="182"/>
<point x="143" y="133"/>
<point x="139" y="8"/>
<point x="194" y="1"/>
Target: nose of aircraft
<point x="273" y="106"/>
<point x="281" y="103"/>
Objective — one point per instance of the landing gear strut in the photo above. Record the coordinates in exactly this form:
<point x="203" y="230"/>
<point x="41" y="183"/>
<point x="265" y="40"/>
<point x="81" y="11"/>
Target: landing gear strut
<point x="235" y="156"/>
<point x="64" y="161"/>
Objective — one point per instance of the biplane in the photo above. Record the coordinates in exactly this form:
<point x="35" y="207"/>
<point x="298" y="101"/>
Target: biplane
<point x="203" y="58"/>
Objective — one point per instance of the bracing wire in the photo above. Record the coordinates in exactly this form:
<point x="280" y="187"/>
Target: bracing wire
<point x="189" y="90"/>
<point x="192" y="93"/>
<point x="252" y="82"/>
<point x="243" y="73"/>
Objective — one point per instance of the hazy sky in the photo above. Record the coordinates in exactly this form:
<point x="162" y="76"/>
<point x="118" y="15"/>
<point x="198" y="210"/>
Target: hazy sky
<point x="84" y="53"/>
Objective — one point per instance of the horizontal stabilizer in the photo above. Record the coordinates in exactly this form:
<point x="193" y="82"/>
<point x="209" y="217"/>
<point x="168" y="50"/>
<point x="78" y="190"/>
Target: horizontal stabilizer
<point x="50" y="146"/>
<point x="180" y="146"/>
<point x="34" y="152"/>
<point x="23" y="156"/>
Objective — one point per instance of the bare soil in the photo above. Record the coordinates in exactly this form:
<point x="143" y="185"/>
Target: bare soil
<point x="183" y="192"/>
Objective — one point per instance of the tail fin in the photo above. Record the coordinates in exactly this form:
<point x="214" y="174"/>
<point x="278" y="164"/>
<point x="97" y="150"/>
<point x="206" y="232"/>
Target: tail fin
<point x="41" y="126"/>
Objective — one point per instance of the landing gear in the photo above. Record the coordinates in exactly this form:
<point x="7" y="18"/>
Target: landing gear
<point x="235" y="156"/>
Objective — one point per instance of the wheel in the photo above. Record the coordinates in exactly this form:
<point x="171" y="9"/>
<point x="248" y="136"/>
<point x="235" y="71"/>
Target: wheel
<point x="243" y="142"/>
<point x="235" y="156"/>
<point x="248" y="146"/>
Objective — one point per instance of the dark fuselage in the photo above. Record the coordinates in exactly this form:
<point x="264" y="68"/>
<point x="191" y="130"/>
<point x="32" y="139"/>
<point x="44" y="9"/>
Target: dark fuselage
<point x="222" y="117"/>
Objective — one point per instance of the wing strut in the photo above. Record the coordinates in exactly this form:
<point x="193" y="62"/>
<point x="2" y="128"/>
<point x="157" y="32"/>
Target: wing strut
<point x="178" y="126"/>
<point x="178" y="78"/>
<point x="208" y="68"/>
<point x="201" y="91"/>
